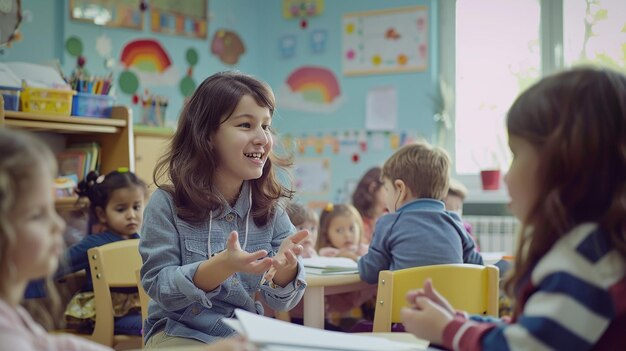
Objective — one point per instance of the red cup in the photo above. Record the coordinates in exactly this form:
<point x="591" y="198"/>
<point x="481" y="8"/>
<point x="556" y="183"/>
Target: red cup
<point x="490" y="179"/>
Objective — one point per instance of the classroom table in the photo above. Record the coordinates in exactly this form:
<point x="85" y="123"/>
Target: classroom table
<point x="320" y="285"/>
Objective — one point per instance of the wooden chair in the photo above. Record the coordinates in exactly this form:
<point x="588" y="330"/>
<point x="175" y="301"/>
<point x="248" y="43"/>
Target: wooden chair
<point x="113" y="266"/>
<point x="467" y="287"/>
<point x="143" y="298"/>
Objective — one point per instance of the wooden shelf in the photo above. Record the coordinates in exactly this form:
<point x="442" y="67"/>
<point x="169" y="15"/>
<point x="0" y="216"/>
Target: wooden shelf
<point x="115" y="136"/>
<point x="65" y="203"/>
<point x="63" y="124"/>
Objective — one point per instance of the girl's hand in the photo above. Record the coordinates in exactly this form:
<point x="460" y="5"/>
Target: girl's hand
<point x="348" y="254"/>
<point x="239" y="260"/>
<point x="286" y="260"/>
<point x="426" y="320"/>
<point x="231" y="344"/>
<point x="430" y="292"/>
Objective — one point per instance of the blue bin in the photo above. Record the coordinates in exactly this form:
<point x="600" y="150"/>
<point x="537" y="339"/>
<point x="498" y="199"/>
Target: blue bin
<point x="11" y="96"/>
<point x="92" y="105"/>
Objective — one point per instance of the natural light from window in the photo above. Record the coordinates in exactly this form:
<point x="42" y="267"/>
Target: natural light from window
<point x="594" y="32"/>
<point x="497" y="56"/>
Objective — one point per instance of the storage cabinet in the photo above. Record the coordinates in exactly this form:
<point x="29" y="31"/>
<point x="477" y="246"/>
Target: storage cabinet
<point x="114" y="134"/>
<point x="150" y="145"/>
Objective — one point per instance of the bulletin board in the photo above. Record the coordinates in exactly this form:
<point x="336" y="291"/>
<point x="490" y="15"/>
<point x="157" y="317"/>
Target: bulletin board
<point x="312" y="176"/>
<point x="187" y="18"/>
<point x="385" y="41"/>
<point x="111" y="13"/>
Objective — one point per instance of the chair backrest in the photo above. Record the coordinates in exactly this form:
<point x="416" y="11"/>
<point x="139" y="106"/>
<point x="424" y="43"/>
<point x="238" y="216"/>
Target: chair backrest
<point x="144" y="299"/>
<point x="468" y="287"/>
<point x="112" y="266"/>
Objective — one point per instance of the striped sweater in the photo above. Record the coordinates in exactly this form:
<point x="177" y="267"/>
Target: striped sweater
<point x="575" y="299"/>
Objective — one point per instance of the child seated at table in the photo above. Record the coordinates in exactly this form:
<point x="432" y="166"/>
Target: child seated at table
<point x="418" y="231"/>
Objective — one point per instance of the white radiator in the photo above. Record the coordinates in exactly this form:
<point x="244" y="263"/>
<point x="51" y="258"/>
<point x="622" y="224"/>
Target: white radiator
<point x="494" y="233"/>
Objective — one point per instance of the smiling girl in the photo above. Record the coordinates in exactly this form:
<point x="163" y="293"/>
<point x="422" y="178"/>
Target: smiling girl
<point x="215" y="234"/>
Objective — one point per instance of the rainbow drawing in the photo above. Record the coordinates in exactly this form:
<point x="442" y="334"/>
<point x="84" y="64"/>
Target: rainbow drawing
<point x="315" y="84"/>
<point x="146" y="55"/>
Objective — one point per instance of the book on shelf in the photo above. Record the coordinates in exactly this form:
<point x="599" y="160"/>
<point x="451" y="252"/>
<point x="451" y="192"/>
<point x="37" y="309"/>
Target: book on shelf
<point x="330" y="265"/>
<point x="92" y="156"/>
<point x="273" y="335"/>
<point x="71" y="164"/>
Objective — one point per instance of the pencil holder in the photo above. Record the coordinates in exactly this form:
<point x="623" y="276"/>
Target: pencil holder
<point x="92" y="105"/>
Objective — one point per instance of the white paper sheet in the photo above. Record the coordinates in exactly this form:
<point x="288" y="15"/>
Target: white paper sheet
<point x="381" y="109"/>
<point x="274" y="334"/>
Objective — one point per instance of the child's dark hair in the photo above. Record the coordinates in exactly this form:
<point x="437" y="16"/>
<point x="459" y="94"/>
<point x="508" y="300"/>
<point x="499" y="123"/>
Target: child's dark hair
<point x="577" y="122"/>
<point x="187" y="170"/>
<point x="98" y="189"/>
<point x="364" y="195"/>
<point x="328" y="214"/>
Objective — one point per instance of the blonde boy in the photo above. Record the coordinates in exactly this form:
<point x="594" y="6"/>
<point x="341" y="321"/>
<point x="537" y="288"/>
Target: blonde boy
<point x="418" y="231"/>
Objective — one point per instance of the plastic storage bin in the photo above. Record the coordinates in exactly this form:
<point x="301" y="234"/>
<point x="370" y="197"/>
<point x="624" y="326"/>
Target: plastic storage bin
<point x="91" y="105"/>
<point x="47" y="101"/>
<point x="11" y="97"/>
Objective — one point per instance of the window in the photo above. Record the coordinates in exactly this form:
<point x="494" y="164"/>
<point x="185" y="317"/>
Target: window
<point x="491" y="50"/>
<point x="594" y="32"/>
<point x="497" y="56"/>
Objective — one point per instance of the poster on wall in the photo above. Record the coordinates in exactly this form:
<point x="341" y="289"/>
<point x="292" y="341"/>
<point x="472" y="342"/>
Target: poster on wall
<point x="187" y="18"/>
<point x="312" y="176"/>
<point x="385" y="41"/>
<point x="311" y="89"/>
<point x="111" y="13"/>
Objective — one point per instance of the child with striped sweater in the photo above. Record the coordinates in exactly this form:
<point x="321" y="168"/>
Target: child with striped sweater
<point x="567" y="184"/>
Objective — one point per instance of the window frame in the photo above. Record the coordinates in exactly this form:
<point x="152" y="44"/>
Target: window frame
<point x="551" y="43"/>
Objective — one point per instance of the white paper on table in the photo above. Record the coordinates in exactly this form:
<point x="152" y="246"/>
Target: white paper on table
<point x="381" y="109"/>
<point x="329" y="262"/>
<point x="279" y="335"/>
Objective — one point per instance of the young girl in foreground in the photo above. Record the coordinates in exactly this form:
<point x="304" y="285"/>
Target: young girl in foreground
<point x="31" y="242"/>
<point x="215" y="235"/>
<point x="567" y="184"/>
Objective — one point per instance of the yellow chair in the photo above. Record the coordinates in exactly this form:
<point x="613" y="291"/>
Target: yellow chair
<point x="143" y="298"/>
<point x="467" y="287"/>
<point x="113" y="266"/>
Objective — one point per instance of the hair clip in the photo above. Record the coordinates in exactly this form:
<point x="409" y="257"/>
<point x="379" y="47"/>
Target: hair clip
<point x="123" y="170"/>
<point x="329" y="207"/>
<point x="100" y="179"/>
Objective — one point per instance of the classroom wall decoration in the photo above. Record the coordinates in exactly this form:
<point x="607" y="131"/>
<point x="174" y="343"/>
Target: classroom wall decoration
<point x="302" y="10"/>
<point x="385" y="41"/>
<point x="318" y="41"/>
<point x="312" y="89"/>
<point x="10" y="18"/>
<point x="149" y="63"/>
<point x="287" y="46"/>
<point x="312" y="176"/>
<point x="186" y="18"/>
<point x="228" y="46"/>
<point x="112" y="13"/>
<point x="188" y="84"/>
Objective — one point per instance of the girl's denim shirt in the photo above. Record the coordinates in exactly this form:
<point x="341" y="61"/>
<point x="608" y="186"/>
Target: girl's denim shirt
<point x="172" y="249"/>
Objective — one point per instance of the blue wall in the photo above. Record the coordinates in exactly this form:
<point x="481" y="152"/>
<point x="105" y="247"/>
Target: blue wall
<point x="260" y="24"/>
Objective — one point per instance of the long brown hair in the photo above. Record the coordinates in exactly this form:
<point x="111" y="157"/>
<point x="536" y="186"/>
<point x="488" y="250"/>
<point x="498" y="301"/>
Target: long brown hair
<point x="188" y="168"/>
<point x="577" y="122"/>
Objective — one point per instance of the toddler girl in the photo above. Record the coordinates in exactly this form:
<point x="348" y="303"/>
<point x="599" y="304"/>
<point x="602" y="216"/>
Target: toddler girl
<point x="116" y="203"/>
<point x="341" y="230"/>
